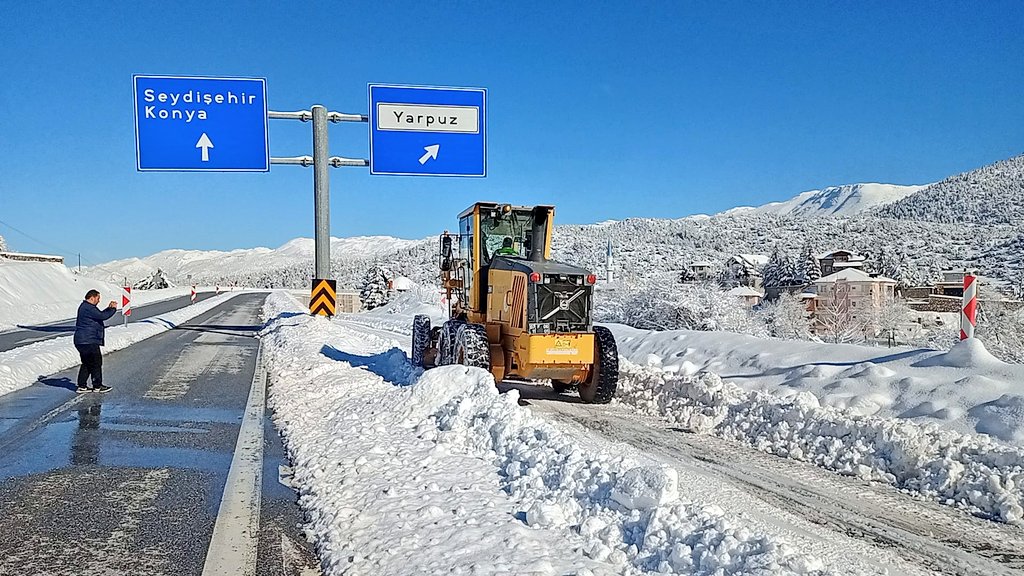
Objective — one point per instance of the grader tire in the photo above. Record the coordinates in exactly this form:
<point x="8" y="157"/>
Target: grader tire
<point x="472" y="347"/>
<point x="446" y="342"/>
<point x="420" y="339"/>
<point x="605" y="376"/>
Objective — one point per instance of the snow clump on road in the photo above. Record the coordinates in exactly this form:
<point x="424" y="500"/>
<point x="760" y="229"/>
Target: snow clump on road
<point x="973" y="472"/>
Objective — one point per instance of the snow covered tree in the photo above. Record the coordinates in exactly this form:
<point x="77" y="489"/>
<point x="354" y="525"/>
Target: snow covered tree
<point x="835" y="318"/>
<point x="889" y="317"/>
<point x="3" y="244"/>
<point x="156" y="281"/>
<point x="787" y="318"/>
<point x="811" y="267"/>
<point x="374" y="291"/>
<point x="1001" y="328"/>
<point x="773" y="271"/>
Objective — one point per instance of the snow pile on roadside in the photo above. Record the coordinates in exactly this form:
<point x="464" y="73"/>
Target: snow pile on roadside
<point x="33" y="293"/>
<point x="969" y="471"/>
<point x="23" y="366"/>
<point x="965" y="389"/>
<point x="445" y="474"/>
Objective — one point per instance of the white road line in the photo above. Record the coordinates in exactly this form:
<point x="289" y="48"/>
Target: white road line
<point x="236" y="531"/>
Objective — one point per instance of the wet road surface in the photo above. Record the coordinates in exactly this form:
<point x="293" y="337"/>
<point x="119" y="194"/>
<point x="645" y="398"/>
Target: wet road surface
<point x="131" y="482"/>
<point x="29" y="334"/>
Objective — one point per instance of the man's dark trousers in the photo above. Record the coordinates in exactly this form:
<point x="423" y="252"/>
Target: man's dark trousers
<point x="92" y="365"/>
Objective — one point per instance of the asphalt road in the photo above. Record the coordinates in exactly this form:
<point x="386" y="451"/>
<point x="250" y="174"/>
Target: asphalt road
<point x="28" y="334"/>
<point x="131" y="482"/>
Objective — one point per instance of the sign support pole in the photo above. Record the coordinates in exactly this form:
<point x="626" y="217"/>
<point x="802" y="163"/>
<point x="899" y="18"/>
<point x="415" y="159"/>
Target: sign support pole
<point x="321" y="193"/>
<point x="322" y="298"/>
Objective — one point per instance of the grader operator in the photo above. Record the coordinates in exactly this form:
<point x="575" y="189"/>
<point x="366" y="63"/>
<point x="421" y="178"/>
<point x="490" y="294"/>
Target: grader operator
<point x="514" y="311"/>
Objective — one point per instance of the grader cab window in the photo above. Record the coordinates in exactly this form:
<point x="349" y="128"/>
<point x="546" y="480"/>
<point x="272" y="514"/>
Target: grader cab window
<point x="498" y="230"/>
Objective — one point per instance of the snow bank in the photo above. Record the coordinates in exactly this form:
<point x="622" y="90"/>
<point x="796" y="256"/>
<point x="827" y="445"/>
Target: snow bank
<point x="446" y="475"/>
<point x="957" y="390"/>
<point x="23" y="366"/>
<point x="33" y="293"/>
<point x="969" y="471"/>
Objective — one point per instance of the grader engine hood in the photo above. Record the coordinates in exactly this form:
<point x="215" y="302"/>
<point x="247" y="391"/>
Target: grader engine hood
<point x="559" y="300"/>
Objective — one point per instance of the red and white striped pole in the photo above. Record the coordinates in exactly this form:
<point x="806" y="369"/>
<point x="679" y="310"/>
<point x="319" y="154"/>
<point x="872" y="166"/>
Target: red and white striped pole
<point x="193" y="294"/>
<point x="126" y="303"/>
<point x="969" y="313"/>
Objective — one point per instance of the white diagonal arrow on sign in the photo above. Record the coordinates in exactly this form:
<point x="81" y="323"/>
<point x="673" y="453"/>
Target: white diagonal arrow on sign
<point x="431" y="153"/>
<point x="205" y="144"/>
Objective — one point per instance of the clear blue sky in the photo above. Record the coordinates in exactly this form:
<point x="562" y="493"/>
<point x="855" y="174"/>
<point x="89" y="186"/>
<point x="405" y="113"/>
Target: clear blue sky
<point x="608" y="110"/>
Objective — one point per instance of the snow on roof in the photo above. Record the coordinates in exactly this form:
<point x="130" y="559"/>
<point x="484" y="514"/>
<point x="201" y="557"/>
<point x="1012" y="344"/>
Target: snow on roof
<point x="701" y="263"/>
<point x="849" y="264"/>
<point x="752" y="259"/>
<point x="853" y="275"/>
<point x="29" y="255"/>
<point x="744" y="291"/>
<point x="402" y="283"/>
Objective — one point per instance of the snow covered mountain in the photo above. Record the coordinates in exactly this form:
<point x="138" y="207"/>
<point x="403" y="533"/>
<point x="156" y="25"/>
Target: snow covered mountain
<point x="846" y="200"/>
<point x="243" y="266"/>
<point x="990" y="195"/>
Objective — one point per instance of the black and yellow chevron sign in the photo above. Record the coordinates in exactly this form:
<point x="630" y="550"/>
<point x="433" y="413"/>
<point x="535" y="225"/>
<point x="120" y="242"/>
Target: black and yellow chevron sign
<point x="323" y="300"/>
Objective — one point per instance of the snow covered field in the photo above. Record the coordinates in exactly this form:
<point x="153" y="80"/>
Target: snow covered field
<point x="964" y="390"/>
<point x="33" y="293"/>
<point x="22" y="366"/>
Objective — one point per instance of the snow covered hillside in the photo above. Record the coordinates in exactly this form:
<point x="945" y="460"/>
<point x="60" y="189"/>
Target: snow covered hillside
<point x="846" y="200"/>
<point x="990" y="195"/>
<point x="657" y="250"/>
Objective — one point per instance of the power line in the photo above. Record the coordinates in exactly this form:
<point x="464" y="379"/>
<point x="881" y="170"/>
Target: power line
<point x="58" y="248"/>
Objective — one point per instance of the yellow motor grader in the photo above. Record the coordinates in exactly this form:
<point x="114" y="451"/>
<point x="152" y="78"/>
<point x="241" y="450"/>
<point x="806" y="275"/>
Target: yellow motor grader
<point x="514" y="311"/>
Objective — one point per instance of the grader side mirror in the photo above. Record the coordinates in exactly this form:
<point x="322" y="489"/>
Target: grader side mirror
<point x="447" y="257"/>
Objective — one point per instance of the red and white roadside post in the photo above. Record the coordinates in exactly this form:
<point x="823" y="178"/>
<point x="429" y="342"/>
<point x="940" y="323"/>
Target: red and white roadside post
<point x="969" y="311"/>
<point x="126" y="303"/>
<point x="193" y="294"/>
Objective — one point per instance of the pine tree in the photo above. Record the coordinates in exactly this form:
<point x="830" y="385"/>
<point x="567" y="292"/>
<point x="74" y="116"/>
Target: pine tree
<point x="772" y="272"/>
<point x="812" y="268"/>
<point x="374" y="292"/>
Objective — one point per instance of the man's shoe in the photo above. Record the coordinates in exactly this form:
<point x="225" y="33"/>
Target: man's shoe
<point x="82" y="389"/>
<point x="102" y="388"/>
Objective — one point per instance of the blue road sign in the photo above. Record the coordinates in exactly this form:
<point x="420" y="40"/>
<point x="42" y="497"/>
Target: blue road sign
<point x="427" y="131"/>
<point x="199" y="124"/>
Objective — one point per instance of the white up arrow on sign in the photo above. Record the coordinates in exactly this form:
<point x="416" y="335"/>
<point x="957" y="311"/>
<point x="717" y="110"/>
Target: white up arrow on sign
<point x="431" y="153"/>
<point x="205" y="144"/>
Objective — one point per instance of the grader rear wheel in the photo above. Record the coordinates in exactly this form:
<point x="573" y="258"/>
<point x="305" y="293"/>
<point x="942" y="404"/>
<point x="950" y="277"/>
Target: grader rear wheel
<point x="604" y="378"/>
<point x="420" y="339"/>
<point x="472" y="347"/>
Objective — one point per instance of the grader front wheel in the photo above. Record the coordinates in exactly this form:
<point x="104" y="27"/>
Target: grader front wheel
<point x="604" y="378"/>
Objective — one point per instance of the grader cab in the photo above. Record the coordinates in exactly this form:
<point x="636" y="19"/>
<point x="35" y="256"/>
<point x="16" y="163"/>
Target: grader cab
<point x="514" y="311"/>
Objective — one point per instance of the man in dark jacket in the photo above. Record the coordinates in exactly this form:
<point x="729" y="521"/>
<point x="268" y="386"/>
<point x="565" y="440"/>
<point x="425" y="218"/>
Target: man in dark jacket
<point x="88" y="339"/>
